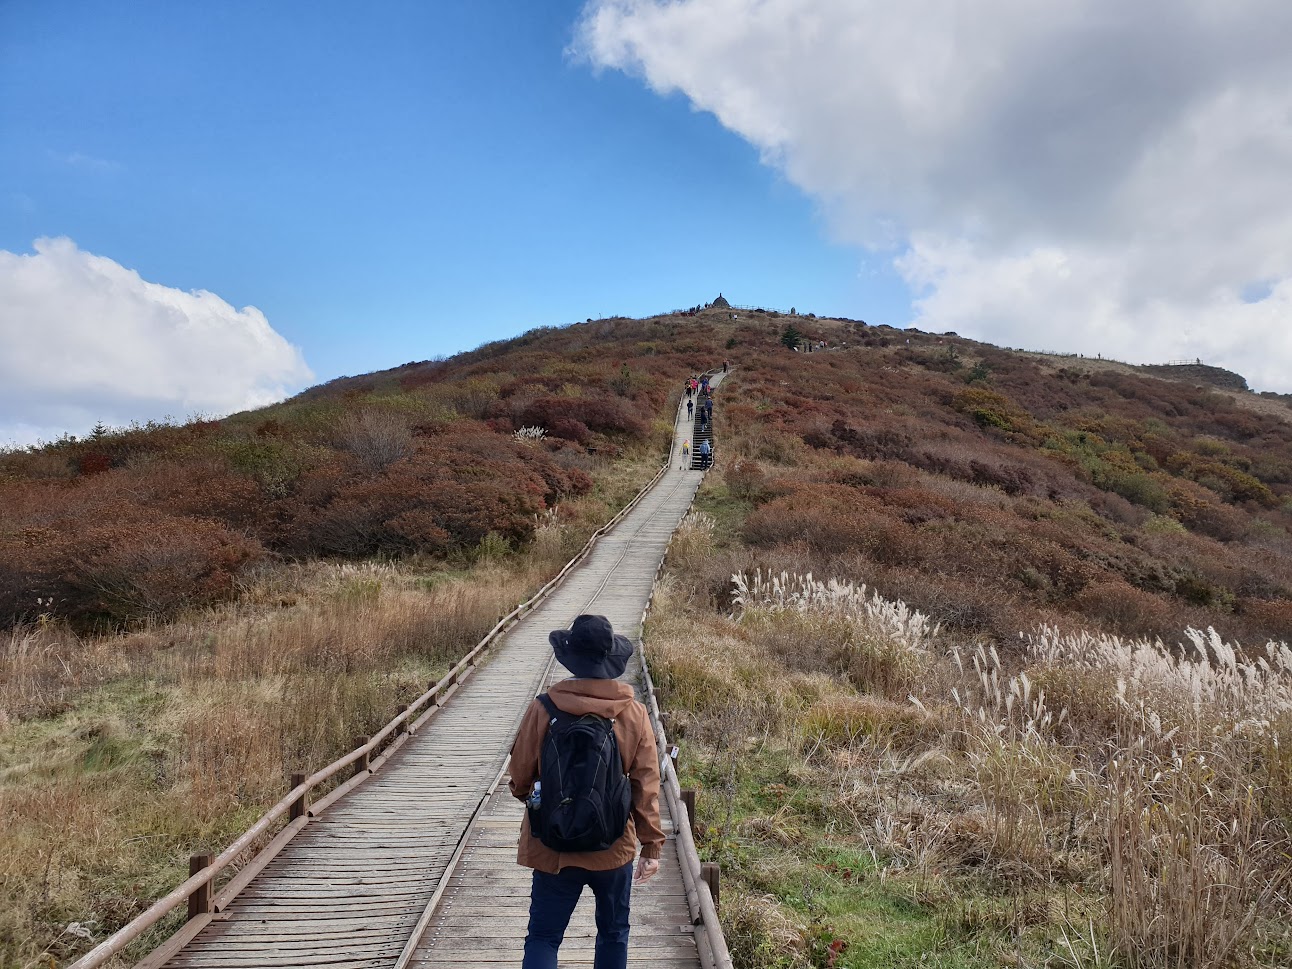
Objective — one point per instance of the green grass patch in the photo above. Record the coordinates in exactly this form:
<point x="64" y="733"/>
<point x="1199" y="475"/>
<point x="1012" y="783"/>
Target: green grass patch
<point x="727" y="511"/>
<point x="790" y="857"/>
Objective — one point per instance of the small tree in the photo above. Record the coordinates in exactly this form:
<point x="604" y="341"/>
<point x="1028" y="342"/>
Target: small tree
<point x="790" y="337"/>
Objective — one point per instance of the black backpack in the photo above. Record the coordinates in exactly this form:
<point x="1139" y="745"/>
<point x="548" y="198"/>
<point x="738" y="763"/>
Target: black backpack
<point x="585" y="797"/>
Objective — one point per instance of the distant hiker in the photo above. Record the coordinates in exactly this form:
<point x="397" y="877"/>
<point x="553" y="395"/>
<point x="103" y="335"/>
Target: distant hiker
<point x="568" y="735"/>
<point x="686" y="449"/>
<point x="708" y="408"/>
<point x="724" y="366"/>
<point x="689" y="389"/>
<point x="689" y="407"/>
<point x="706" y="453"/>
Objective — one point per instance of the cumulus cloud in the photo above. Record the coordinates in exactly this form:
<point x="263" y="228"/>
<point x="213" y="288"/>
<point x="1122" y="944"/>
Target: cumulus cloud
<point x="1094" y="175"/>
<point x="84" y="339"/>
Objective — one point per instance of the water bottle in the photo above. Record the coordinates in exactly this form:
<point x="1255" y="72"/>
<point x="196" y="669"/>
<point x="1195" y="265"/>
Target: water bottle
<point x="535" y="796"/>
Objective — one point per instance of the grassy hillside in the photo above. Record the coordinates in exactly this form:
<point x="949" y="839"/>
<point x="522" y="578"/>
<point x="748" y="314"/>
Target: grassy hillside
<point x="194" y="612"/>
<point x="997" y="490"/>
<point x="931" y="721"/>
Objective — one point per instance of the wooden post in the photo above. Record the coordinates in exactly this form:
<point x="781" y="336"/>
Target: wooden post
<point x="298" y="805"/>
<point x="201" y="901"/>
<point x="361" y="765"/>
<point x="688" y="801"/>
<point x="403" y="724"/>
<point x="711" y="873"/>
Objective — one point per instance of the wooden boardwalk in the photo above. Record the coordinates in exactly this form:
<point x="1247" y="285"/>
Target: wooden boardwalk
<point x="348" y="891"/>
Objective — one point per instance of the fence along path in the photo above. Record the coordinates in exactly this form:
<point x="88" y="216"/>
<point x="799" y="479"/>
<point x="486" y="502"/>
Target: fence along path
<point x="355" y="886"/>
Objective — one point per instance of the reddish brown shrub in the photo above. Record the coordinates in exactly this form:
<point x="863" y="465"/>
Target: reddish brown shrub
<point x="1126" y="610"/>
<point x="570" y="430"/>
<point x="1266" y="619"/>
<point x="95" y="462"/>
<point x="444" y="495"/>
<point x="605" y="415"/>
<point x="829" y="518"/>
<point x="746" y="479"/>
<point x="120" y="572"/>
<point x="1196" y="510"/>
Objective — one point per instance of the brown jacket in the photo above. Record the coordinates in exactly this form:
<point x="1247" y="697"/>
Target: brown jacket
<point x="610" y="699"/>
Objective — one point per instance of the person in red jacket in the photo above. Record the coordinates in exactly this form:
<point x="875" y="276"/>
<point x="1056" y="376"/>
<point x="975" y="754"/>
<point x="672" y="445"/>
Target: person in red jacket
<point x="595" y="656"/>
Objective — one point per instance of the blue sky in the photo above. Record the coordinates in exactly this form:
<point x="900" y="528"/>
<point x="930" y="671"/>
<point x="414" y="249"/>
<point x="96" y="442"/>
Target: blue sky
<point x="393" y="181"/>
<point x="206" y="206"/>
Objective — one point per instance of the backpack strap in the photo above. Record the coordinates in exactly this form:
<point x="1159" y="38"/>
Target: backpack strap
<point x="553" y="710"/>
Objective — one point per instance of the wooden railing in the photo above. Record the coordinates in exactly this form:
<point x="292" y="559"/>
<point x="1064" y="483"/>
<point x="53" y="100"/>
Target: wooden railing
<point x="699" y="878"/>
<point x="198" y="889"/>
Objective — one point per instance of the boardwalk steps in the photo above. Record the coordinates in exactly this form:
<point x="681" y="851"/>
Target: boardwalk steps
<point x="701" y="430"/>
<point x="429" y="841"/>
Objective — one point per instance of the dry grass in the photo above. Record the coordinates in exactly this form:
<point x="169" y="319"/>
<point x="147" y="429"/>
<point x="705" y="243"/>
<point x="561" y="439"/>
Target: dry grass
<point x="179" y="738"/>
<point x="1149" y="779"/>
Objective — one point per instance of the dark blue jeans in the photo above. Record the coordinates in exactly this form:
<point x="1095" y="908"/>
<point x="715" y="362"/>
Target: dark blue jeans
<point x="551" y="903"/>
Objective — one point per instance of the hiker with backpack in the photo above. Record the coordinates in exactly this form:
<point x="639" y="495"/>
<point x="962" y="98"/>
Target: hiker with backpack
<point x="706" y="454"/>
<point x="585" y="763"/>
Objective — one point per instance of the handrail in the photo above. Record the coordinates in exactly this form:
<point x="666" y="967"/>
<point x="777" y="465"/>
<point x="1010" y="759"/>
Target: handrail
<point x="714" y="953"/>
<point x="146" y="919"/>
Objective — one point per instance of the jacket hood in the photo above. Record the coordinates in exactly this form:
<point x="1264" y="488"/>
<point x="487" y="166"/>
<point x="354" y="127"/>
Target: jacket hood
<point x="605" y="698"/>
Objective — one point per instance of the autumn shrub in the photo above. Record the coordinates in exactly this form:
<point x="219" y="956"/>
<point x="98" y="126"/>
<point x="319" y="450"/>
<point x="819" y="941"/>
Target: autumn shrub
<point x="601" y="414"/>
<point x="1198" y="511"/>
<point x="874" y="445"/>
<point x="375" y="439"/>
<point x="270" y="461"/>
<point x="745" y="479"/>
<point x="570" y="429"/>
<point x="124" y="571"/>
<point x="991" y="409"/>
<point x="1267" y="613"/>
<point x="426" y="505"/>
<point x="830" y="518"/>
<point x="1124" y="609"/>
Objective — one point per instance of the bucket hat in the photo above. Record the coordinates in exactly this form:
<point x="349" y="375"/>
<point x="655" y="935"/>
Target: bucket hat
<point x="591" y="649"/>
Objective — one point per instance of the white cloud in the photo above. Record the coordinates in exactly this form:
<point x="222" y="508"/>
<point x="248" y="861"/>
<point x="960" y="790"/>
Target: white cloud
<point x="1094" y="175"/>
<point x="86" y="163"/>
<point x="84" y="339"/>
